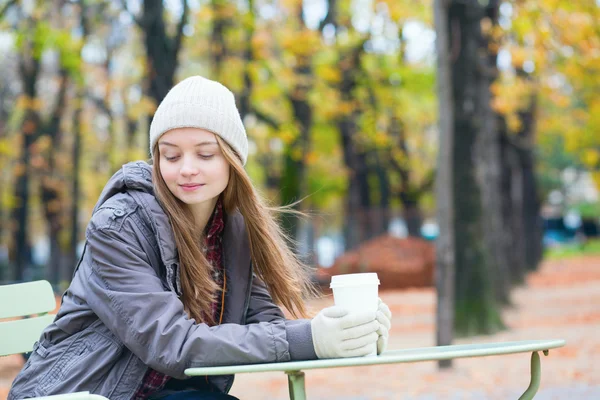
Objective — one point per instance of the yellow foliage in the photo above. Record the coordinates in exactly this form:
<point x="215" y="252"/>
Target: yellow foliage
<point x="261" y="44"/>
<point x="26" y="103"/>
<point x="346" y="107"/>
<point x="560" y="100"/>
<point x="518" y="56"/>
<point x="591" y="157"/>
<point x="513" y="122"/>
<point x="596" y="178"/>
<point x="303" y="43"/>
<point x="571" y="142"/>
<point x="501" y="106"/>
<point x="5" y="147"/>
<point x="296" y="154"/>
<point x="287" y="136"/>
<point x="205" y="14"/>
<point x="381" y="139"/>
<point x="329" y="73"/>
<point x="42" y="144"/>
<point x="311" y="158"/>
<point x="137" y="154"/>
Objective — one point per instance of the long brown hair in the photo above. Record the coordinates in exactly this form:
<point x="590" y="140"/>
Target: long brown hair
<point x="286" y="276"/>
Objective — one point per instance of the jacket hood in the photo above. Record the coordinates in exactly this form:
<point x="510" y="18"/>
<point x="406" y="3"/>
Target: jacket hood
<point x="135" y="178"/>
<point x="136" y="175"/>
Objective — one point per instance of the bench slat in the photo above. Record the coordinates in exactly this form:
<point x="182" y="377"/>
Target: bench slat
<point x="19" y="336"/>
<point x="23" y="299"/>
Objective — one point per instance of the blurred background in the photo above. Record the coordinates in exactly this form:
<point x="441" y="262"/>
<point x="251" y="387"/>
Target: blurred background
<point x="452" y="147"/>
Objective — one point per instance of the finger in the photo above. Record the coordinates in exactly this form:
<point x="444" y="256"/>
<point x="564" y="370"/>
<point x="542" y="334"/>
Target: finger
<point x="383" y="320"/>
<point x="335" y="312"/>
<point x="385" y="310"/>
<point x="358" y="318"/>
<point x="360" y="352"/>
<point x="352" y="344"/>
<point x="360" y="330"/>
<point x="383" y="331"/>
<point x="381" y="344"/>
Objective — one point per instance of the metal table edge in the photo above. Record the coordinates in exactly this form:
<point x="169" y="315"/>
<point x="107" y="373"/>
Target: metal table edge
<point x="390" y="357"/>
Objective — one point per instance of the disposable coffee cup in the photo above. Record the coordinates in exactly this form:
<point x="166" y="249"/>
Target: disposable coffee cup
<point x="356" y="293"/>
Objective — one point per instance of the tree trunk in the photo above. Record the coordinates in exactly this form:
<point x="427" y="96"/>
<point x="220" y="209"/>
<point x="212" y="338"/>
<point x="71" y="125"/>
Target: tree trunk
<point x="358" y="199"/>
<point x="533" y="230"/>
<point x="488" y="171"/>
<point x="5" y="99"/>
<point x="381" y="218"/>
<point x="68" y="267"/>
<point x="21" y="249"/>
<point x="294" y="183"/>
<point x="511" y="209"/>
<point x="218" y="46"/>
<point x="409" y="198"/>
<point x="162" y="50"/>
<point x="52" y="197"/>
<point x="75" y="189"/>
<point x="20" y="252"/>
<point x="114" y="155"/>
<point x="267" y="159"/>
<point x="293" y="180"/>
<point x="532" y="224"/>
<point x="444" y="186"/>
<point x="413" y="217"/>
<point x="476" y="309"/>
<point x="354" y="228"/>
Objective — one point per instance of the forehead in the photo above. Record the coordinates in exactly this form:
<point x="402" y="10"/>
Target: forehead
<point x="187" y="137"/>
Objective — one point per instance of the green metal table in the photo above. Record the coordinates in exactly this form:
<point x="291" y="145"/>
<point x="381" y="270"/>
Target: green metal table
<point x="296" y="377"/>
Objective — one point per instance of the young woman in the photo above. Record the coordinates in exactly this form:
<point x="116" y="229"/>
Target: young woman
<point x="183" y="267"/>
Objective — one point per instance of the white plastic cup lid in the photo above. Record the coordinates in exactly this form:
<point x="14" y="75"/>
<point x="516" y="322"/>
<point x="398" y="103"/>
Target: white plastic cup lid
<point x="368" y="278"/>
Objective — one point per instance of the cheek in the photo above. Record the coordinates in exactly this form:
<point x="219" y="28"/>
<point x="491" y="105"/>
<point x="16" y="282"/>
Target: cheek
<point x="168" y="173"/>
<point x="224" y="175"/>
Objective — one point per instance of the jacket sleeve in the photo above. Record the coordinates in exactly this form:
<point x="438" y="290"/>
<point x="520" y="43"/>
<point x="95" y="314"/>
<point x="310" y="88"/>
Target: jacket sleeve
<point x="128" y="296"/>
<point x="261" y="308"/>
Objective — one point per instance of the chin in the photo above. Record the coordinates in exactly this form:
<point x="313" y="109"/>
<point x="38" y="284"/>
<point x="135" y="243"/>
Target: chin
<point x="191" y="201"/>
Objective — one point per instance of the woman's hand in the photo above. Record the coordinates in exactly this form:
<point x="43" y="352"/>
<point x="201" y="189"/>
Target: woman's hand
<point x="339" y="333"/>
<point x="384" y="317"/>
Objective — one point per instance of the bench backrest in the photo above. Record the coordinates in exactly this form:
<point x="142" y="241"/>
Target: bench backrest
<point x="23" y="315"/>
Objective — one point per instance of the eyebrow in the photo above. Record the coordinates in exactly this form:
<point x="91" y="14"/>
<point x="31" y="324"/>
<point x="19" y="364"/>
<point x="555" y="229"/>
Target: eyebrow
<point x="197" y="145"/>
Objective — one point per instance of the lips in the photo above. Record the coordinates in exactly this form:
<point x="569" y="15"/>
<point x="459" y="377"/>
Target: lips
<point x="188" y="187"/>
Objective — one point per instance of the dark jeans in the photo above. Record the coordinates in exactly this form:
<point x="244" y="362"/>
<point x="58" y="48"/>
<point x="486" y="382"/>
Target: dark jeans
<point x="198" y="395"/>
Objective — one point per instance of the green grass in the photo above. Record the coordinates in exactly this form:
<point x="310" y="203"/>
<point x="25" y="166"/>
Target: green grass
<point x="592" y="247"/>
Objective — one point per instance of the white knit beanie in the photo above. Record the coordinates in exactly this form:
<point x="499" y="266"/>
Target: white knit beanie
<point x="197" y="102"/>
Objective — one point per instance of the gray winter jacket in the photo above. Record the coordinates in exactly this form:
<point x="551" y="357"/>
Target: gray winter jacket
<point x="122" y="315"/>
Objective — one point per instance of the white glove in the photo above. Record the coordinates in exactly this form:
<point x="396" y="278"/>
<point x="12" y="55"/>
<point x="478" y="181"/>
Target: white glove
<point x="384" y="317"/>
<point x="338" y="333"/>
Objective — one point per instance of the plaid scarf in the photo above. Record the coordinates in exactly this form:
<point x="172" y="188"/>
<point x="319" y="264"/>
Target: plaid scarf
<point x="213" y="249"/>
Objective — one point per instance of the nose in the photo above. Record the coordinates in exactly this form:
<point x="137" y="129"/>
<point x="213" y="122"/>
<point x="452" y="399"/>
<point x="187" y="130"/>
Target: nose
<point x="188" y="168"/>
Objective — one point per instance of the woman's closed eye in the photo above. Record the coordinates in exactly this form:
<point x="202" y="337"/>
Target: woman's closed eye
<point x="206" y="156"/>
